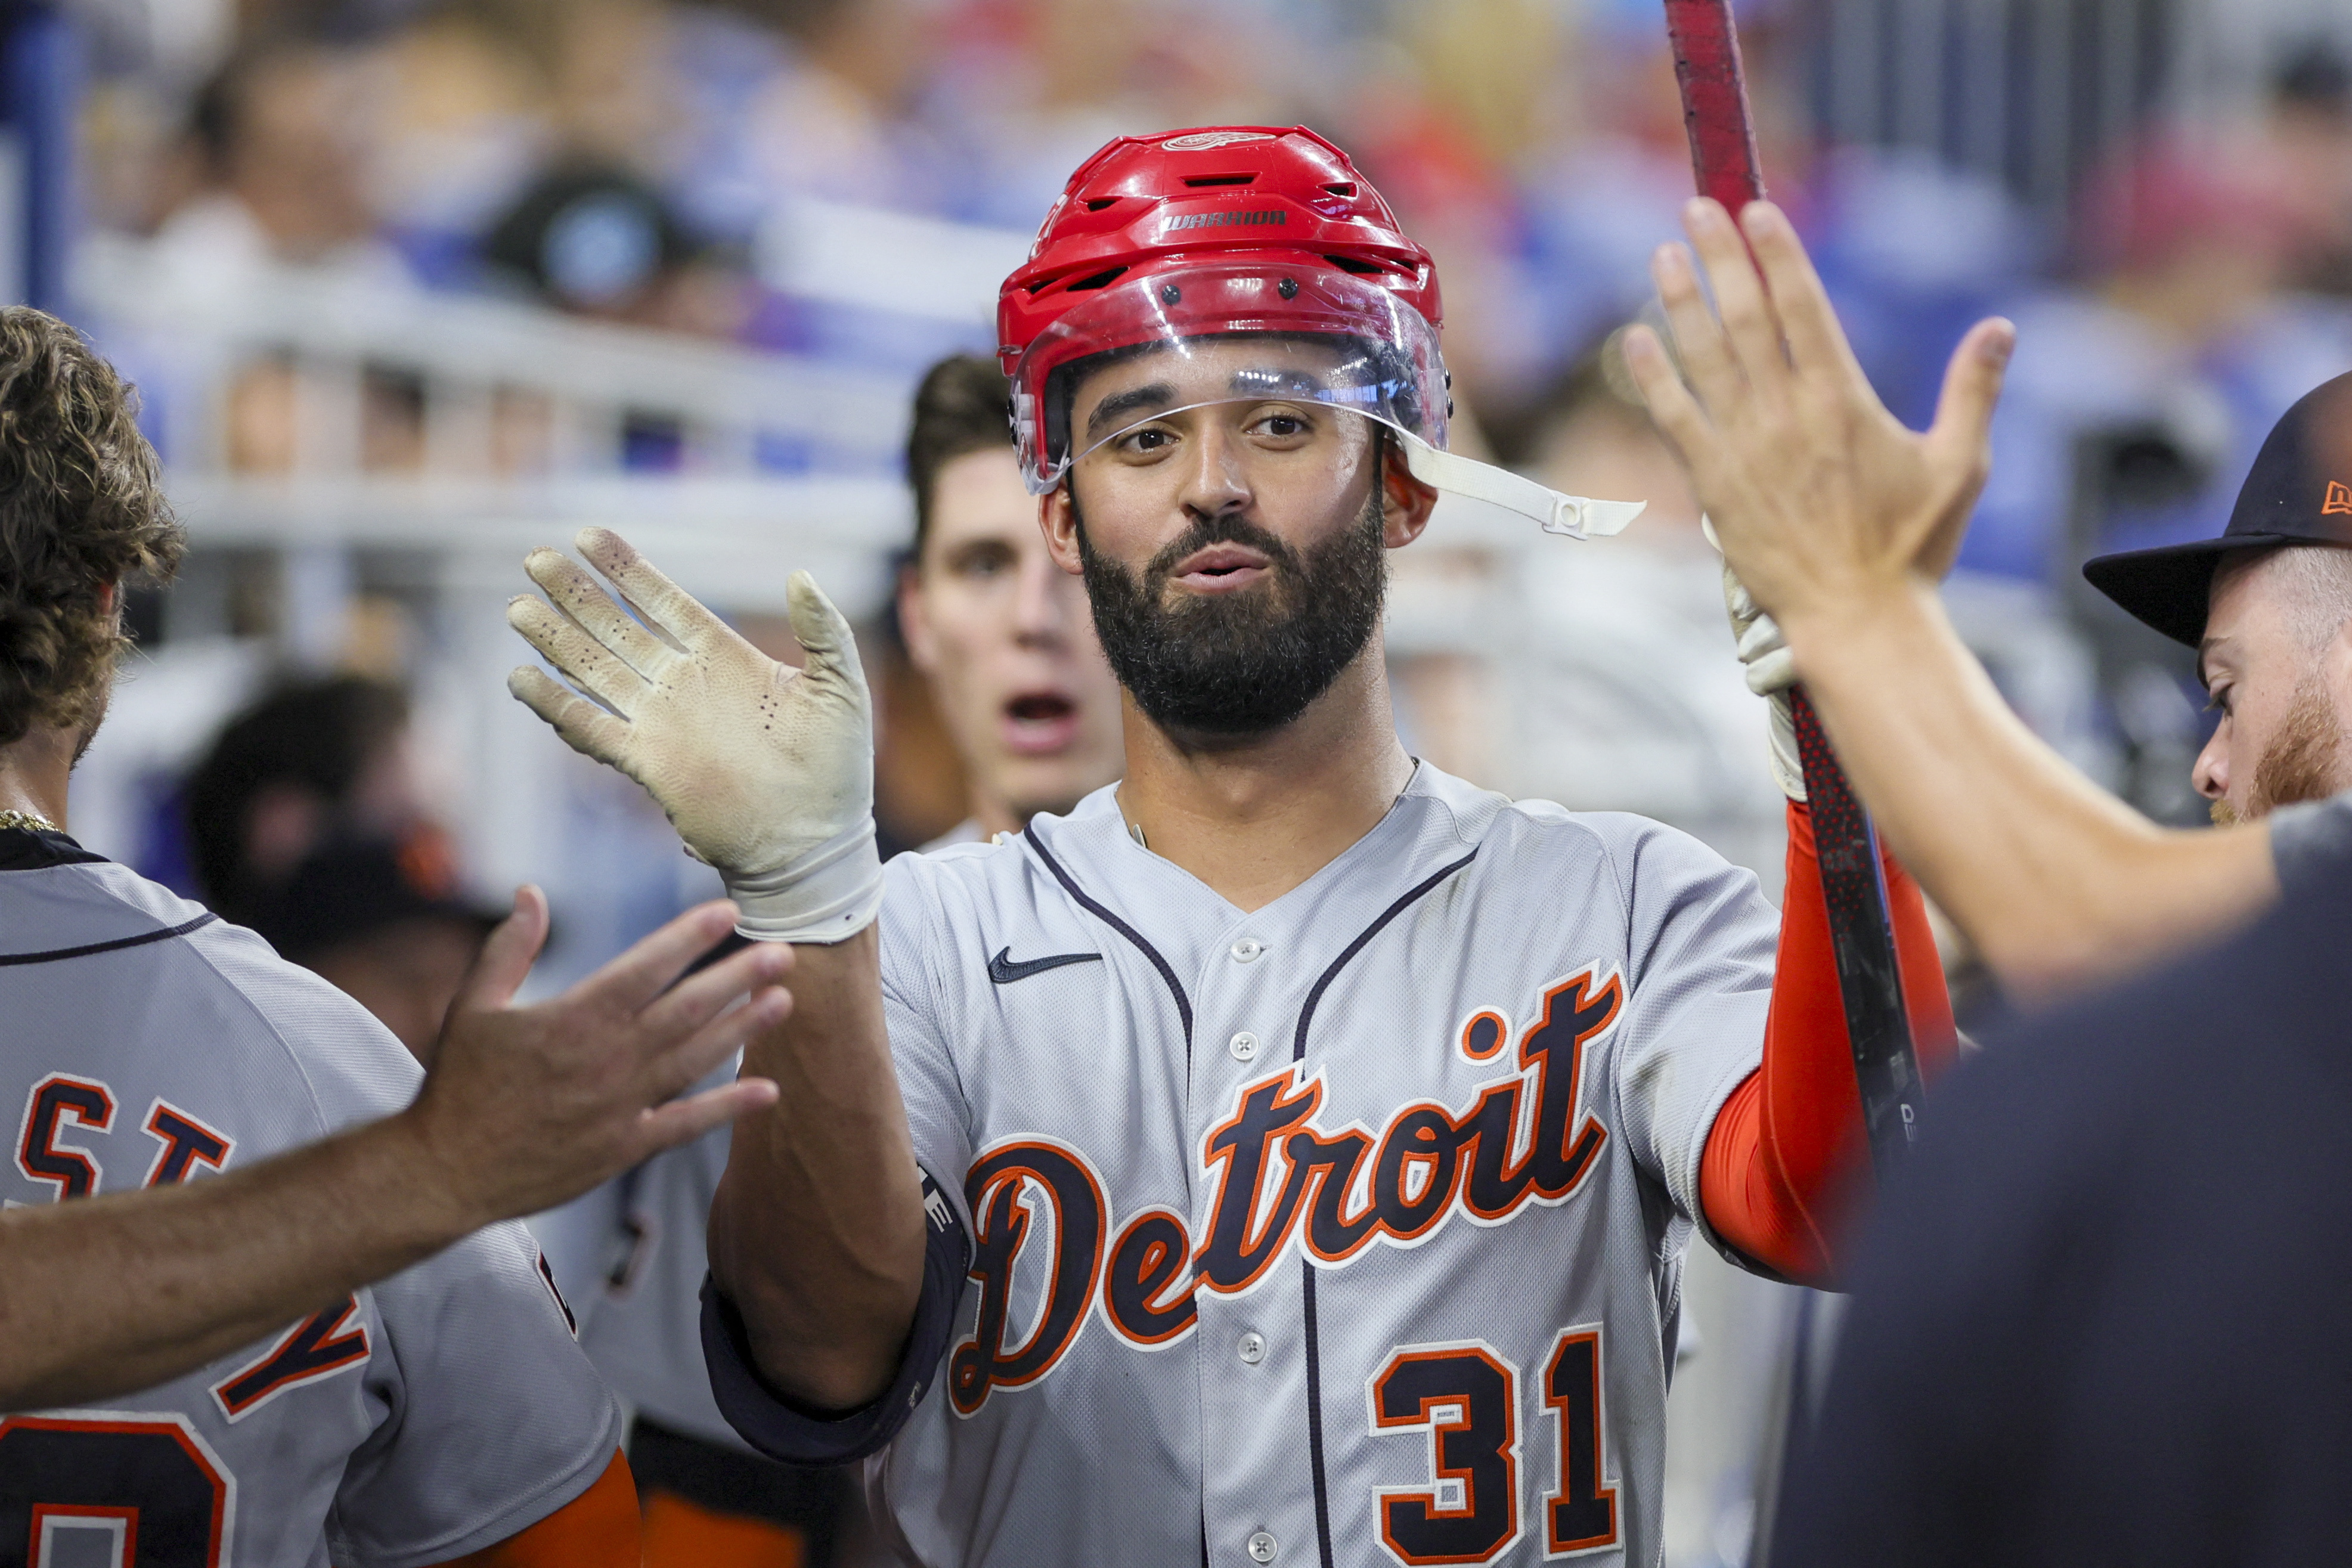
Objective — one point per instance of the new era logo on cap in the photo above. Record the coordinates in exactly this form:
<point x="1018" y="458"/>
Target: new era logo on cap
<point x="2338" y="499"/>
<point x="1203" y="140"/>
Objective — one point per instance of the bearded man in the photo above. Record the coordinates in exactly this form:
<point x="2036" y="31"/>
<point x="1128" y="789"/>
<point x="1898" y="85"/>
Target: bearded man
<point x="1288" y="1154"/>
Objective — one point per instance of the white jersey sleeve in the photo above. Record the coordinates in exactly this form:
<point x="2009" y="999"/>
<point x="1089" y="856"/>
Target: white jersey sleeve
<point x="1698" y="985"/>
<point x="431" y="1415"/>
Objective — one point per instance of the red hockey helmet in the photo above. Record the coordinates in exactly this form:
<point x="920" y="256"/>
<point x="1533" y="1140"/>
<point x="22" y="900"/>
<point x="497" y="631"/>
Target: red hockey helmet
<point x="1240" y="229"/>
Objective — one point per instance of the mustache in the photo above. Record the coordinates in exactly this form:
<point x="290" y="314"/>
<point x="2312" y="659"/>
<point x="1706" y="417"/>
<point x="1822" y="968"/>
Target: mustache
<point x="1224" y="528"/>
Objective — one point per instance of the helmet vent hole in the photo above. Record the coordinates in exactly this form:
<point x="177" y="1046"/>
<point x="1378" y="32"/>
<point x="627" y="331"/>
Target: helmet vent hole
<point x="1339" y="190"/>
<point x="1198" y="180"/>
<point x="1098" y="202"/>
<point x="1352" y="264"/>
<point x="1100" y="280"/>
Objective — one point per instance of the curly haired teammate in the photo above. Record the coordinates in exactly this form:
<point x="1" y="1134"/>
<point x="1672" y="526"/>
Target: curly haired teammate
<point x="270" y="1303"/>
<point x="1288" y="1154"/>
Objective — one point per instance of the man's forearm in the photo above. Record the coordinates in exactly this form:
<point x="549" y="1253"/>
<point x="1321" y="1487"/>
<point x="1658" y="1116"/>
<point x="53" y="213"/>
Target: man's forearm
<point x="101" y="1296"/>
<point x="816" y="1232"/>
<point x="2056" y="882"/>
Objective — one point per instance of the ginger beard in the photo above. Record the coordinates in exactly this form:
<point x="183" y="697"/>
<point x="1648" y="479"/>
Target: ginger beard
<point x="2303" y="762"/>
<point x="1240" y="663"/>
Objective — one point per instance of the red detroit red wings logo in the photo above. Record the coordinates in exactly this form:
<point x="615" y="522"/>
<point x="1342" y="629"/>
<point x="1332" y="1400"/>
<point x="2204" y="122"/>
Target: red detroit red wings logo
<point x="1282" y="1182"/>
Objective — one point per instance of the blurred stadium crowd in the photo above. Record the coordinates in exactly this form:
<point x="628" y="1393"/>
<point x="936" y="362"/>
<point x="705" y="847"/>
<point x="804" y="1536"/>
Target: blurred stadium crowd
<point x="833" y="187"/>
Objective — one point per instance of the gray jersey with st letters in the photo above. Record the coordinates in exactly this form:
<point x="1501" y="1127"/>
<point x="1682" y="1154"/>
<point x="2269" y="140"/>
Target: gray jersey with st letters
<point x="431" y="1415"/>
<point x="1346" y="1232"/>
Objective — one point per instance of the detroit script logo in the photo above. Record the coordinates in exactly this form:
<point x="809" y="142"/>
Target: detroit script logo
<point x="1281" y="1183"/>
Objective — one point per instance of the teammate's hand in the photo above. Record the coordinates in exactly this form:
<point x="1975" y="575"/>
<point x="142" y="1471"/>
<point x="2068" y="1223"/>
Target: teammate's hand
<point x="766" y="772"/>
<point x="526" y="1108"/>
<point x="1822" y="501"/>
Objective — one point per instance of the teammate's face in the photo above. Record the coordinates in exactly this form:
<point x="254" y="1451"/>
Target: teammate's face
<point x="1009" y="645"/>
<point x="1232" y="551"/>
<point x="2284" y="704"/>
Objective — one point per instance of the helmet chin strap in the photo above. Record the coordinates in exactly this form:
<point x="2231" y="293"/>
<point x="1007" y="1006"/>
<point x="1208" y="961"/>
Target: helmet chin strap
<point x="1573" y="516"/>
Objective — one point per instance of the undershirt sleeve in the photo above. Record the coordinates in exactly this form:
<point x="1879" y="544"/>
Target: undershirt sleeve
<point x="794" y="1434"/>
<point x="1786" y="1157"/>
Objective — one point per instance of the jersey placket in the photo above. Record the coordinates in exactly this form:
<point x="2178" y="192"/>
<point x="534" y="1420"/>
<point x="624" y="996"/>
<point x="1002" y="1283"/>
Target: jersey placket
<point x="1251" y="1353"/>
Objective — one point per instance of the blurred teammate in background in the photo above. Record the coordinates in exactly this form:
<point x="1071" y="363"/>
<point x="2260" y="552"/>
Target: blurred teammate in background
<point x="264" y="1398"/>
<point x="1841" y="522"/>
<point x="1006" y="637"/>
<point x="1008" y="644"/>
<point x="306" y="823"/>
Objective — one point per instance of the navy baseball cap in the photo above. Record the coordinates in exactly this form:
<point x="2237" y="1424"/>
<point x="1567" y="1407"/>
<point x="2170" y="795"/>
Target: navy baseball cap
<point x="2298" y="493"/>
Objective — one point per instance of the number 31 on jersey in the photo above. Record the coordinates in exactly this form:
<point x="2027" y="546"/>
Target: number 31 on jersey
<point x="1466" y="1398"/>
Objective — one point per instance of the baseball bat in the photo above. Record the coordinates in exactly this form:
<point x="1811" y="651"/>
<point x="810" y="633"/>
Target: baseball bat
<point x="1870" y="979"/>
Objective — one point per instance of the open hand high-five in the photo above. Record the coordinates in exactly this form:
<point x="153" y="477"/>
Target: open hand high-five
<point x="766" y="772"/>
<point x="1820" y="499"/>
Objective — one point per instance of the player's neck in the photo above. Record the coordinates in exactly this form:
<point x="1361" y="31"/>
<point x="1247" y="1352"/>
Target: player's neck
<point x="34" y="769"/>
<point x="1253" y="819"/>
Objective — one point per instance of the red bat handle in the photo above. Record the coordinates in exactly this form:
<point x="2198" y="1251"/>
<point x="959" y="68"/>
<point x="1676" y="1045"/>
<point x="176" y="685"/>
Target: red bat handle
<point x="1715" y="102"/>
<point x="1870" y="978"/>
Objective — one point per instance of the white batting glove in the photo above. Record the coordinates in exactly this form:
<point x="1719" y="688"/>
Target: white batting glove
<point x="765" y="771"/>
<point x="1772" y="672"/>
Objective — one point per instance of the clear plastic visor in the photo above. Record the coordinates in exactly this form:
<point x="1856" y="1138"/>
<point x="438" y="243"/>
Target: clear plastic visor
<point x="1228" y="333"/>
<point x="1126" y="368"/>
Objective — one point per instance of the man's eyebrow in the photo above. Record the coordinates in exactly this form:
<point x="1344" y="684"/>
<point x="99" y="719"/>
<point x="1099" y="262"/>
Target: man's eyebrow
<point x="2205" y="646"/>
<point x="1119" y="404"/>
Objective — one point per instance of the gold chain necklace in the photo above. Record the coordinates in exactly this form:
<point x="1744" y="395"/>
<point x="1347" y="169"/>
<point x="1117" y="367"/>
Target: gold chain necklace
<point x="25" y="822"/>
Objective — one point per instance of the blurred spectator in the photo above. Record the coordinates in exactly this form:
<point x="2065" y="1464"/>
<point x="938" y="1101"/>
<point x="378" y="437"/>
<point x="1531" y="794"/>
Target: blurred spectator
<point x="598" y="242"/>
<point x="386" y="922"/>
<point x="2182" y="327"/>
<point x="314" y="762"/>
<point x="276" y="169"/>
<point x="2307" y="139"/>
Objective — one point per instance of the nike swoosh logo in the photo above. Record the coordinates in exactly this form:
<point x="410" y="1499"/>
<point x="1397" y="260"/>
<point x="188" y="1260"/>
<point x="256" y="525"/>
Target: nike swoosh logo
<point x="1004" y="970"/>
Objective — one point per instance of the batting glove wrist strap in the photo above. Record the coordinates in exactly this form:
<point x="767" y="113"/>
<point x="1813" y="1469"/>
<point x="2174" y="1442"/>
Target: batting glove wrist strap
<point x="828" y="895"/>
<point x="1771" y="671"/>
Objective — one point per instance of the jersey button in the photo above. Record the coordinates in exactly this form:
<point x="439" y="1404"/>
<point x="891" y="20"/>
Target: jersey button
<point x="1251" y="1348"/>
<point x="1244" y="1046"/>
<point x="1262" y="1547"/>
<point x="1245" y="952"/>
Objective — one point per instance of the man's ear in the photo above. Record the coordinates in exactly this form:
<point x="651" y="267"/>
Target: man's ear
<point x="915" y="621"/>
<point x="1057" y="517"/>
<point x="1407" y="503"/>
<point x="110" y="598"/>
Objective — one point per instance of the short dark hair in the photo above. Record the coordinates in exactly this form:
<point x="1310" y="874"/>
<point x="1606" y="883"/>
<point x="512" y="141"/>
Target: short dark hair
<point x="963" y="406"/>
<point x="81" y="508"/>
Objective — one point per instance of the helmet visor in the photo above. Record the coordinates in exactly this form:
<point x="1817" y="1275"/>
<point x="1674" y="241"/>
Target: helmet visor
<point x="1259" y="333"/>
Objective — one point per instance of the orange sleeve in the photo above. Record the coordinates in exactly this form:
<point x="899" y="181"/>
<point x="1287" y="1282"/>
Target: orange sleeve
<point x="598" y="1529"/>
<point x="1784" y="1157"/>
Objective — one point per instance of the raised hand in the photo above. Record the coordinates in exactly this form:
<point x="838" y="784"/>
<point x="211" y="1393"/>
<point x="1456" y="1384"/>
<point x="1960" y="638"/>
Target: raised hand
<point x="527" y="1107"/>
<point x="766" y="772"/>
<point x="1820" y="499"/>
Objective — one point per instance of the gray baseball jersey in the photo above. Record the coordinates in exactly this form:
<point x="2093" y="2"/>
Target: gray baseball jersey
<point x="429" y="1416"/>
<point x="1346" y="1232"/>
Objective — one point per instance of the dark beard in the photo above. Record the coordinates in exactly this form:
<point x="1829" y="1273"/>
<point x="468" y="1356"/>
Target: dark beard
<point x="2305" y="760"/>
<point x="1242" y="663"/>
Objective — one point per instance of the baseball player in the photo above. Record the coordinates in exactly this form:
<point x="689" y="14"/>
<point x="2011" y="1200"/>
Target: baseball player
<point x="441" y="1412"/>
<point x="1006" y="640"/>
<point x="1287" y="1155"/>
<point x="1843" y="522"/>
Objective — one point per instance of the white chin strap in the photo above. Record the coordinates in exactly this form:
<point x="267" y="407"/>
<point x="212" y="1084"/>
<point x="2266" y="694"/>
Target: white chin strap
<point x="1572" y="515"/>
